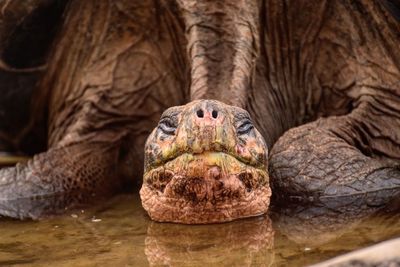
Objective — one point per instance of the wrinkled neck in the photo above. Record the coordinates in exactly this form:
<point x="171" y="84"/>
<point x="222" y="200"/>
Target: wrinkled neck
<point x="223" y="43"/>
<point x="285" y="87"/>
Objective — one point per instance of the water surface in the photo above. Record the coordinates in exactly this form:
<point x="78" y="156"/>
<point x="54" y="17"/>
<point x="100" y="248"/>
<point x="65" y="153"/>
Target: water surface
<point x="119" y="233"/>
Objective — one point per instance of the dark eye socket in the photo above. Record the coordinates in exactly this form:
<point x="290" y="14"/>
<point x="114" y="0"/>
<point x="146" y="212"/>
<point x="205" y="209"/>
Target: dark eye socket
<point x="245" y="127"/>
<point x="167" y="126"/>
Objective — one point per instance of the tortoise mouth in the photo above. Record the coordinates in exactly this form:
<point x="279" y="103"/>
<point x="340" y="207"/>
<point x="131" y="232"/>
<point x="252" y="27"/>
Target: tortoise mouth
<point x="204" y="188"/>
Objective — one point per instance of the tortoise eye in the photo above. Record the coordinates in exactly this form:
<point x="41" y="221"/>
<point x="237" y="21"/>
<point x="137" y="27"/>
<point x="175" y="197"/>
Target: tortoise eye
<point x="167" y="126"/>
<point x="245" y="127"/>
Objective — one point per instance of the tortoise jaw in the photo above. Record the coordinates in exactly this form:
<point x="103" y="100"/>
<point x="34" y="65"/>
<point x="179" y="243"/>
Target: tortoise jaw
<point x="205" y="188"/>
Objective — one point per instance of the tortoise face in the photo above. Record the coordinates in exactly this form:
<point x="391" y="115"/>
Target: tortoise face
<point x="205" y="162"/>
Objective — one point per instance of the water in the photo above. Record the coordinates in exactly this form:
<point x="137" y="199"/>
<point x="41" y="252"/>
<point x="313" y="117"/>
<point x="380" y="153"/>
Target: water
<point x="119" y="233"/>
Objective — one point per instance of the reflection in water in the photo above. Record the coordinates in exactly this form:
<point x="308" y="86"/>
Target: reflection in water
<point x="241" y="243"/>
<point x="332" y="231"/>
<point x="119" y="233"/>
<point x="316" y="225"/>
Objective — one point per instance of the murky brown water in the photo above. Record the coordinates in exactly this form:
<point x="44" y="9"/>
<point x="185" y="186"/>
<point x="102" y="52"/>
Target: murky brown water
<point x="119" y="233"/>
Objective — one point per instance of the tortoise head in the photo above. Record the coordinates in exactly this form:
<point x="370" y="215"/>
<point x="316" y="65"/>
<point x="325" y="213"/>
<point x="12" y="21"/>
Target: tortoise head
<point x="205" y="162"/>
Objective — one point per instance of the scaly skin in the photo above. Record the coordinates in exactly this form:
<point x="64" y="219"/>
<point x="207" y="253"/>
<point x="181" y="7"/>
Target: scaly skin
<point x="205" y="163"/>
<point x="319" y="79"/>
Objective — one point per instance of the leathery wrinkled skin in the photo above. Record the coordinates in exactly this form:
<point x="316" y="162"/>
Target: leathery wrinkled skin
<point x="205" y="163"/>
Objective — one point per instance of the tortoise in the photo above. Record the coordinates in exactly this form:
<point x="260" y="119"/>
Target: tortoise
<point x="301" y="98"/>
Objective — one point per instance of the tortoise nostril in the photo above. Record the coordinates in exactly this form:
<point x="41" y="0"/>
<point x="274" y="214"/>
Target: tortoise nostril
<point x="200" y="113"/>
<point x="214" y="114"/>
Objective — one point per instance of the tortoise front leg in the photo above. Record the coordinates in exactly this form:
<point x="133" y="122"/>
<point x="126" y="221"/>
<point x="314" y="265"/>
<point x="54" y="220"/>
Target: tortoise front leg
<point x="335" y="161"/>
<point x="58" y="179"/>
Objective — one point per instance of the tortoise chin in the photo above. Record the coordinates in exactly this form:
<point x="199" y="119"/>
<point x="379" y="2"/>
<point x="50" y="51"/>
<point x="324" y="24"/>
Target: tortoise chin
<point x="205" y="188"/>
